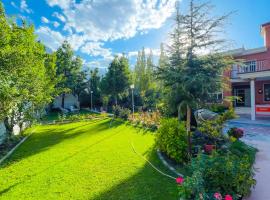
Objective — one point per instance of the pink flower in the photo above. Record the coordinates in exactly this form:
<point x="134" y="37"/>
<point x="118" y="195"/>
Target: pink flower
<point x="228" y="197"/>
<point x="218" y="196"/>
<point x="179" y="180"/>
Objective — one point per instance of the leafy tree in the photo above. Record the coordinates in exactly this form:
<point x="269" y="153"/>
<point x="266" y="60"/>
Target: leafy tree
<point x="69" y="68"/>
<point x="117" y="79"/>
<point x="192" y="76"/>
<point x="25" y="85"/>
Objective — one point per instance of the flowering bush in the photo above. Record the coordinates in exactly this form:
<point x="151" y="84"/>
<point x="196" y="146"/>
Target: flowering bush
<point x="149" y="120"/>
<point x="179" y="180"/>
<point x="236" y="132"/>
<point x="223" y="172"/>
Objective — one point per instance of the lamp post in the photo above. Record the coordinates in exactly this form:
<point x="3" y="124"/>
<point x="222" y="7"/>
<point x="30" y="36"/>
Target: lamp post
<point x="132" y="92"/>
<point x="91" y="100"/>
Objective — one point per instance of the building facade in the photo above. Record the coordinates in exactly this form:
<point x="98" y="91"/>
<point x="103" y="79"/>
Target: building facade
<point x="250" y="79"/>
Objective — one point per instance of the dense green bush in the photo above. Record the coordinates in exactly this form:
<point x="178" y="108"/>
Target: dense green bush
<point x="214" y="128"/>
<point x="120" y="112"/>
<point x="218" y="108"/>
<point x="171" y="139"/>
<point x="227" y="173"/>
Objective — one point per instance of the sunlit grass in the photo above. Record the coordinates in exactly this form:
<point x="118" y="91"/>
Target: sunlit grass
<point x="85" y="160"/>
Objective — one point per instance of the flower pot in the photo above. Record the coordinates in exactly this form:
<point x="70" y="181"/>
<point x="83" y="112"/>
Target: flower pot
<point x="208" y="148"/>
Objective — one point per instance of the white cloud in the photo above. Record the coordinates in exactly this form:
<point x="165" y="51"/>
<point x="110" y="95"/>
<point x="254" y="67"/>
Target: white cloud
<point x="56" y="24"/>
<point x="76" y="41"/>
<point x="13" y="4"/>
<point x="52" y="39"/>
<point x="64" y="4"/>
<point x="96" y="49"/>
<point x="59" y="16"/>
<point x="45" y="20"/>
<point x="103" y="20"/>
<point x="24" y="7"/>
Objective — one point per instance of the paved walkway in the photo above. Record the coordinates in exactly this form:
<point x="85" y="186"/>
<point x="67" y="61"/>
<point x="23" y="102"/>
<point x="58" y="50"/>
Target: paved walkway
<point x="258" y="135"/>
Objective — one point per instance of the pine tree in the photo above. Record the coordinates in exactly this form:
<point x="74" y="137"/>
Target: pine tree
<point x="191" y="75"/>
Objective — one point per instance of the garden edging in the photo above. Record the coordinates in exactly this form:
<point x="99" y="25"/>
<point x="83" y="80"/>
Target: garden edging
<point x="171" y="168"/>
<point x="14" y="148"/>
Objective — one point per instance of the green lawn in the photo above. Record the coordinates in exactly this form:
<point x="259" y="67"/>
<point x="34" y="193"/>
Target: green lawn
<point x="85" y="160"/>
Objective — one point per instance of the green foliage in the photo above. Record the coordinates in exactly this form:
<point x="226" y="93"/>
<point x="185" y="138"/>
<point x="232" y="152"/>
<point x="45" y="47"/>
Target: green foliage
<point x="193" y="187"/>
<point x="150" y="120"/>
<point x="145" y="81"/>
<point x="171" y="138"/>
<point x="117" y="79"/>
<point x="191" y="77"/>
<point x="213" y="128"/>
<point x="241" y="149"/>
<point x="120" y="112"/>
<point x="218" y="108"/>
<point x="69" y="69"/>
<point x="225" y="173"/>
<point x="27" y="73"/>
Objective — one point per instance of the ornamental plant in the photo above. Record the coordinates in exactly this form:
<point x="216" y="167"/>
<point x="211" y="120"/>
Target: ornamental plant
<point x="171" y="139"/>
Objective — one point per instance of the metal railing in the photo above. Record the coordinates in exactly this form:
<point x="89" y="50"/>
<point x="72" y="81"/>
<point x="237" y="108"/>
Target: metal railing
<point x="250" y="67"/>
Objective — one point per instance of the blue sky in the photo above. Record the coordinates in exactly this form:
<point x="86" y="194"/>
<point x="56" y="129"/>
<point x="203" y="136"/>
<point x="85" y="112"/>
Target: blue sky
<point x="99" y="29"/>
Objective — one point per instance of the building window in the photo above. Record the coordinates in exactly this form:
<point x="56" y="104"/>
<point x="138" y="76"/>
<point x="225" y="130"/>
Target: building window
<point x="266" y="92"/>
<point x="250" y="66"/>
<point x="216" y="97"/>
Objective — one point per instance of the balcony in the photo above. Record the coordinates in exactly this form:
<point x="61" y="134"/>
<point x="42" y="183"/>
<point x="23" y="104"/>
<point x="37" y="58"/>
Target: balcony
<point x="251" y="68"/>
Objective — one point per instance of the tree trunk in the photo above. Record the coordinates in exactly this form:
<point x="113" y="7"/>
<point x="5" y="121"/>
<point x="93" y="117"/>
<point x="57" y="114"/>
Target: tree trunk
<point x="63" y="100"/>
<point x="8" y="126"/>
<point x="179" y="112"/>
<point x="115" y="97"/>
<point x="188" y="129"/>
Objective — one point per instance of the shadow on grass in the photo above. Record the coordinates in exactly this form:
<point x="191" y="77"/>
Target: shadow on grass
<point x="29" y="177"/>
<point x="146" y="184"/>
<point x="55" y="134"/>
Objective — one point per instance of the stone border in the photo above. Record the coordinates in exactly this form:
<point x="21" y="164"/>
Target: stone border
<point x="171" y="168"/>
<point x="14" y="148"/>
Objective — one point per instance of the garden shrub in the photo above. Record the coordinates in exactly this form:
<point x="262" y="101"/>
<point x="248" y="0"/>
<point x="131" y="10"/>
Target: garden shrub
<point x="171" y="139"/>
<point x="120" y="112"/>
<point x="225" y="173"/>
<point x="150" y="120"/>
<point x="214" y="128"/>
<point x="218" y="108"/>
<point x="241" y="149"/>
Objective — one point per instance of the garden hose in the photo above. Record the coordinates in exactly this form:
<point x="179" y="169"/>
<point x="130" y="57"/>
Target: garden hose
<point x="153" y="166"/>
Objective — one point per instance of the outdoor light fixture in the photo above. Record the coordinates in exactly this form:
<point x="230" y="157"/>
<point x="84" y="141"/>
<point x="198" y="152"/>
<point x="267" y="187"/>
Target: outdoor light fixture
<point x="132" y="88"/>
<point x="91" y="100"/>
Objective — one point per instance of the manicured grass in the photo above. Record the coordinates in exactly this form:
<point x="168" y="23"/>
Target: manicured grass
<point x="85" y="160"/>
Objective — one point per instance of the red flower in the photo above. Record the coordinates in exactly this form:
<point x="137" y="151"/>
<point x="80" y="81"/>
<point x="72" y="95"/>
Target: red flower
<point x="218" y="196"/>
<point x="179" y="180"/>
<point x="228" y="197"/>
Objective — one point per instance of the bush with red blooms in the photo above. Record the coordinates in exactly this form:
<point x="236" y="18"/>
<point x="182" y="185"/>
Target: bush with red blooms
<point x="227" y="173"/>
<point x="236" y="132"/>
